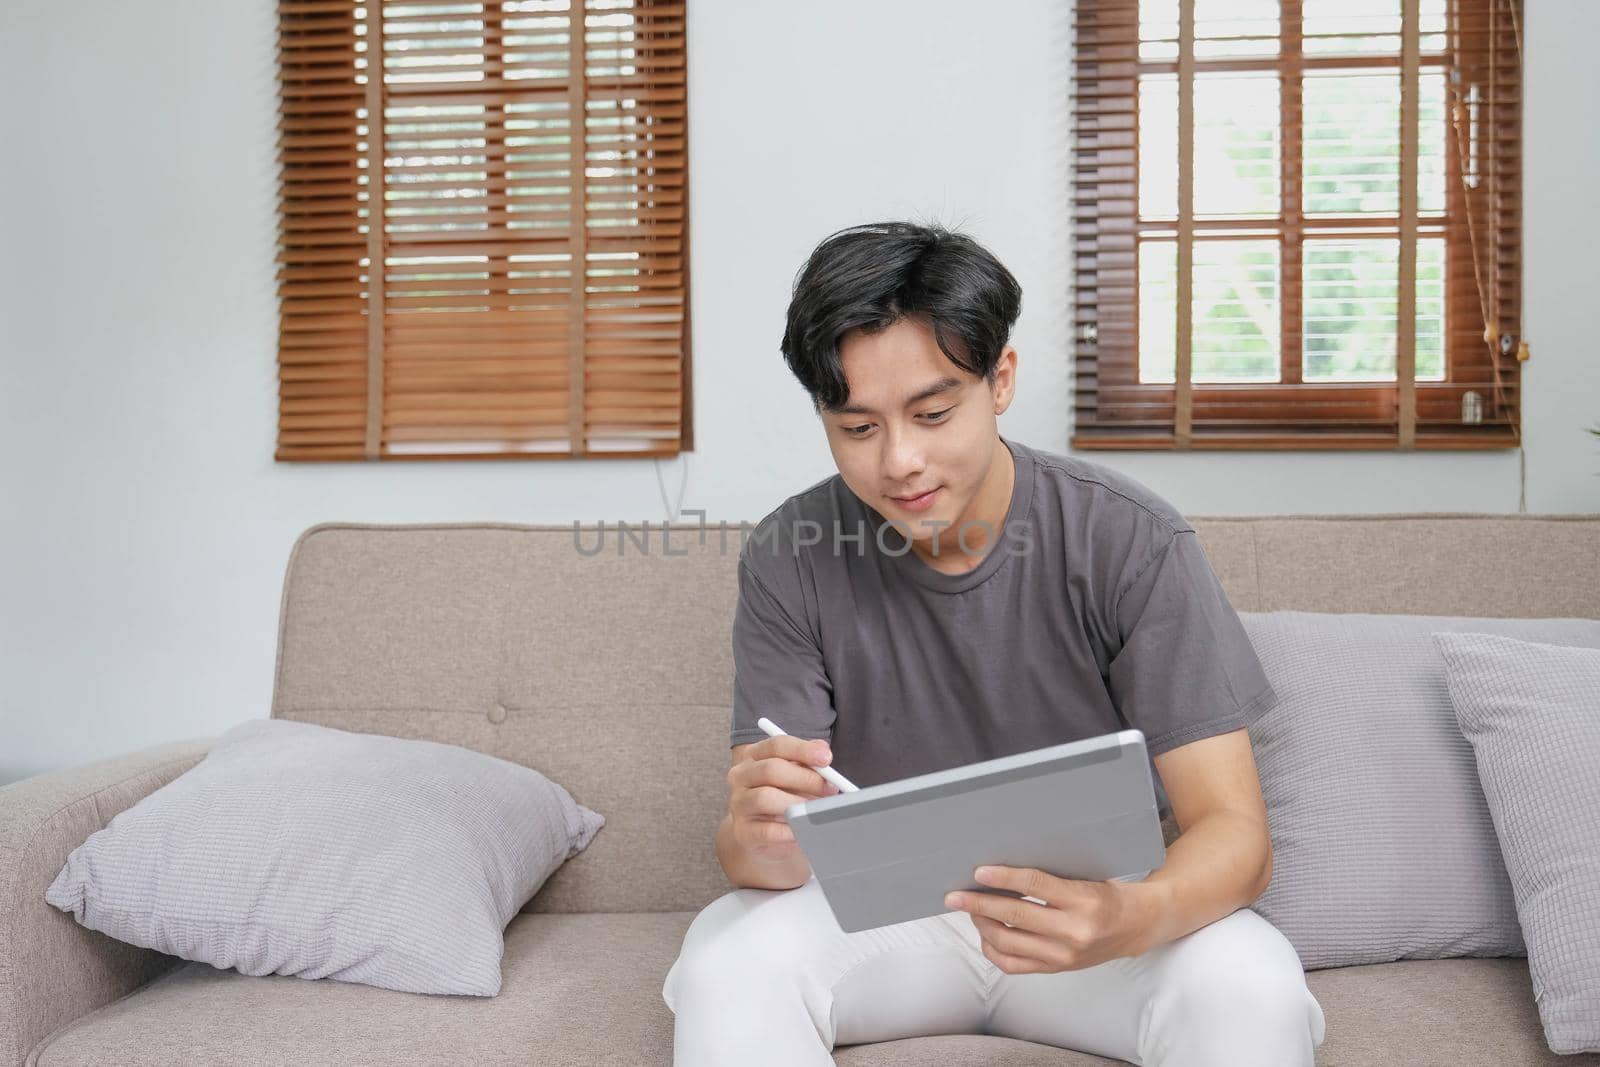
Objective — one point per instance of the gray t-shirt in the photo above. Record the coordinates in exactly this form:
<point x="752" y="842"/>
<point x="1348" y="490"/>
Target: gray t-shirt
<point x="1096" y="610"/>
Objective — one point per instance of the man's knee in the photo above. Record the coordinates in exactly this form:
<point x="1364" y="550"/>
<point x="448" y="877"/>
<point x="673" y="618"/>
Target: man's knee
<point x="1234" y="995"/>
<point x="743" y="940"/>
<point x="1250" y="997"/>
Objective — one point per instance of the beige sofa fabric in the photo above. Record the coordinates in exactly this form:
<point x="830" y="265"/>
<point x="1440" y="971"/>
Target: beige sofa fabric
<point x="585" y="991"/>
<point x="1510" y="566"/>
<point x="612" y="673"/>
<point x="51" y="969"/>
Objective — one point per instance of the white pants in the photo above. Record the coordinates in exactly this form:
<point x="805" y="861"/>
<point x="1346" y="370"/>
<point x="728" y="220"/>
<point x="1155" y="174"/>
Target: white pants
<point x="767" y="977"/>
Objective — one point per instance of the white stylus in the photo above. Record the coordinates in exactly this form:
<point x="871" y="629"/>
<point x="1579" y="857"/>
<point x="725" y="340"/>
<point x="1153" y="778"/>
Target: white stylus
<point x="845" y="785"/>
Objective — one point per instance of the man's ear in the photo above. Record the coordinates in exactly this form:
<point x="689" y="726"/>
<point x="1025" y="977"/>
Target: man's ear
<point x="1004" y="385"/>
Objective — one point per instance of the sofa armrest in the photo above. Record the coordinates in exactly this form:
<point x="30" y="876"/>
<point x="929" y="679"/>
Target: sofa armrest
<point x="51" y="969"/>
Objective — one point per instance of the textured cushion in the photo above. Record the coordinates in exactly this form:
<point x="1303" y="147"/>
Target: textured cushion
<point x="1383" y="847"/>
<point x="1532" y="714"/>
<point x="296" y="849"/>
<point x="585" y="991"/>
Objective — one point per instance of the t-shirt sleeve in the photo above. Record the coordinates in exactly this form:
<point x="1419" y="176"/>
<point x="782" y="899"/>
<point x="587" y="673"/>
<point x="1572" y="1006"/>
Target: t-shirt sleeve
<point x="1186" y="669"/>
<point x="777" y="668"/>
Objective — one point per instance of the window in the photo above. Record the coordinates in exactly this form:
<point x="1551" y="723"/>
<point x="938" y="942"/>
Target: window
<point x="1297" y="224"/>
<point x="499" y="267"/>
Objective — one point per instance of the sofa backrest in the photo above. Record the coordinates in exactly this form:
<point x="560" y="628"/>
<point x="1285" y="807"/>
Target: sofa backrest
<point x="602" y="659"/>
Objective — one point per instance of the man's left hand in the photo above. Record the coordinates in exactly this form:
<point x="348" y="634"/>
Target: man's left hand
<point x="1080" y="924"/>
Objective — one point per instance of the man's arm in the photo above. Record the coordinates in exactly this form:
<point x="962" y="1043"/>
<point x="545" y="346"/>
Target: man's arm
<point x="1222" y="859"/>
<point x="778" y="671"/>
<point x="1184" y="665"/>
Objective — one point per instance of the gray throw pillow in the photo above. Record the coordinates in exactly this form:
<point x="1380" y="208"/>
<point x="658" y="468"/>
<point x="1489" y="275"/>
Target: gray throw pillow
<point x="1383" y="847"/>
<point x="1532" y="714"/>
<point x="301" y="850"/>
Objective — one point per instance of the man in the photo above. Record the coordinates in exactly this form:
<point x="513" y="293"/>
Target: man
<point x="952" y="596"/>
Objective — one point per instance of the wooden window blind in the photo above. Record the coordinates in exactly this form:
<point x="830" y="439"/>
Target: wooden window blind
<point x="1297" y="224"/>
<point x="483" y="230"/>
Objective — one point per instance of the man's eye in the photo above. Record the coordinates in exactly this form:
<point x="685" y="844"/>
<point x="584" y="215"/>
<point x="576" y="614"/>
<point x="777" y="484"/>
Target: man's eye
<point x="937" y="416"/>
<point x="858" y="431"/>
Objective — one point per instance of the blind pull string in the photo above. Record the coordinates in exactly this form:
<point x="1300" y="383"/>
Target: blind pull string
<point x="1491" y="326"/>
<point x="675" y="509"/>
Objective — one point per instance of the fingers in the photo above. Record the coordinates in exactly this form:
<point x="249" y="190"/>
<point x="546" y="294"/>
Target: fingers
<point x="762" y="801"/>
<point x="1011" y="962"/>
<point x="1016" y="941"/>
<point x="773" y="775"/>
<point x="763" y="833"/>
<point x="780" y="773"/>
<point x="789" y="747"/>
<point x="1032" y="883"/>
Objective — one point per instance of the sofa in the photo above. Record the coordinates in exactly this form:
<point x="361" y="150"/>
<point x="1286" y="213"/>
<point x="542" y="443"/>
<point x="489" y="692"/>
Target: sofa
<point x="602" y="660"/>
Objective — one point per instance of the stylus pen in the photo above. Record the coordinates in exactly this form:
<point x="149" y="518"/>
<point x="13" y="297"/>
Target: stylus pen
<point x="845" y="785"/>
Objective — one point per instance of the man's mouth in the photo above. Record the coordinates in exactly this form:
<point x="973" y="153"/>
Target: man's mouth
<point x="920" y="502"/>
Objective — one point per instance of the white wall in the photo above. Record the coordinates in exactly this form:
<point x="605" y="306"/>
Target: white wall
<point x="145" y="526"/>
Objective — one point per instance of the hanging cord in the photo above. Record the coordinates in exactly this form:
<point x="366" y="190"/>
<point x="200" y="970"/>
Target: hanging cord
<point x="676" y="508"/>
<point x="1491" y="327"/>
<point x="1522" y="455"/>
<point x="1458" y="117"/>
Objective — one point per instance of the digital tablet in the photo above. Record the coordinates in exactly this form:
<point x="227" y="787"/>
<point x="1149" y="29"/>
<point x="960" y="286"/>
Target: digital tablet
<point x="889" y="853"/>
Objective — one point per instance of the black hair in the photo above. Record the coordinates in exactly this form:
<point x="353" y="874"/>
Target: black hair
<point x="870" y="277"/>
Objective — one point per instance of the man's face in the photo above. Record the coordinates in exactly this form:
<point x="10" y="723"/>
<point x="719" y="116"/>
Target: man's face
<point x="917" y="435"/>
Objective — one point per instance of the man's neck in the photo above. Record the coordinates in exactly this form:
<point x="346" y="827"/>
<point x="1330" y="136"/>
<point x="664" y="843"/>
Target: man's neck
<point x="982" y="521"/>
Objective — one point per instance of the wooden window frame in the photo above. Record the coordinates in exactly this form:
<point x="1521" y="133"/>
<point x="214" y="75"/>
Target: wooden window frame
<point x="471" y="351"/>
<point x="1114" y="410"/>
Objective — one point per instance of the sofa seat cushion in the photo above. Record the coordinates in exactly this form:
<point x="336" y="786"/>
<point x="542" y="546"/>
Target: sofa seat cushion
<point x="575" y="989"/>
<point x="1449" y="1012"/>
<point x="585" y="989"/>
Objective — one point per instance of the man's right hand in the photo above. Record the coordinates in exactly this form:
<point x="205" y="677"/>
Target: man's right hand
<point x="767" y="777"/>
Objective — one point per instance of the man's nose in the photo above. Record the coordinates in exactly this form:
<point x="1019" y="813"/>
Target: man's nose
<point x="902" y="459"/>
